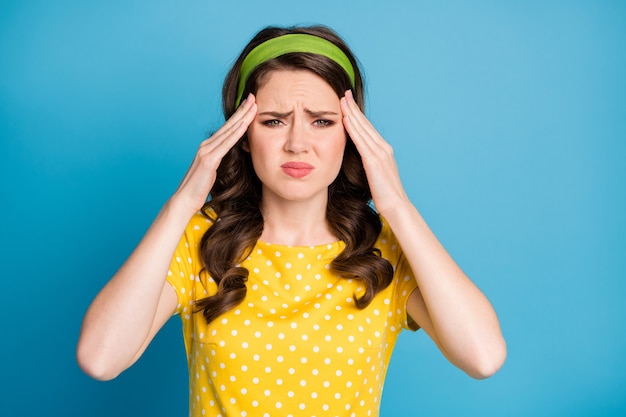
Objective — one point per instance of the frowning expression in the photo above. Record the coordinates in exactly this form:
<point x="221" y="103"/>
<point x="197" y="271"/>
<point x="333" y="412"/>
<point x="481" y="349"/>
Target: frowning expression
<point x="297" y="139"/>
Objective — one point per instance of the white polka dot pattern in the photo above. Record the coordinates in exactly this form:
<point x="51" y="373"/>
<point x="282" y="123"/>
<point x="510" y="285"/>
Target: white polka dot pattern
<point x="297" y="345"/>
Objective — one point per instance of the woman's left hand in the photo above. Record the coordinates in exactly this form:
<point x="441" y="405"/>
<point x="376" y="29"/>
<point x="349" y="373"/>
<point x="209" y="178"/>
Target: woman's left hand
<point x="447" y="305"/>
<point x="377" y="156"/>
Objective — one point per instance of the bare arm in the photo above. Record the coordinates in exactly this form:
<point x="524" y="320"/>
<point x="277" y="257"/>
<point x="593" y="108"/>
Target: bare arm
<point x="446" y="304"/>
<point x="137" y="301"/>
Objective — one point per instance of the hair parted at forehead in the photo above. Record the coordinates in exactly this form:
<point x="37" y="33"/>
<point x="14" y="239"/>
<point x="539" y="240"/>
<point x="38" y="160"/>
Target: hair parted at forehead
<point x="319" y="50"/>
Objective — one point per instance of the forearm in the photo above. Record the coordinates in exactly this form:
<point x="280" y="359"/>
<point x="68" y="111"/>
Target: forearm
<point x="450" y="308"/>
<point x="130" y="309"/>
<point x="462" y="321"/>
<point x="119" y="320"/>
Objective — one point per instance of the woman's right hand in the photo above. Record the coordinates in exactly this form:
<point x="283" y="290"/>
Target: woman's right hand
<point x="136" y="302"/>
<point x="200" y="177"/>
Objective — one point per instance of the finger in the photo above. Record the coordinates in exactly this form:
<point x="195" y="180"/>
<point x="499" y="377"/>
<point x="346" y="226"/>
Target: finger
<point x="243" y="113"/>
<point x="357" y="120"/>
<point x="360" y="121"/>
<point x="228" y="135"/>
<point x="361" y="131"/>
<point x="374" y="150"/>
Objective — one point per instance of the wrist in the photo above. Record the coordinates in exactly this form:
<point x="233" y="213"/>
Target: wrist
<point x="177" y="210"/>
<point x="401" y="214"/>
<point x="395" y="207"/>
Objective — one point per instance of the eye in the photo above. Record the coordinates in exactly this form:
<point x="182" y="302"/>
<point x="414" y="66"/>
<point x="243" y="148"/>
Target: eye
<point x="323" y="122"/>
<point x="271" y="123"/>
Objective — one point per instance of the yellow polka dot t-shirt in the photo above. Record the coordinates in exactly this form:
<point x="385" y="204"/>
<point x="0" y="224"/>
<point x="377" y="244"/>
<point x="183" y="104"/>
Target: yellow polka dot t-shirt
<point x="297" y="345"/>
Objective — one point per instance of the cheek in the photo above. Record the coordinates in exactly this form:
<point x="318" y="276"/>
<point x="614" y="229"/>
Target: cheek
<point x="251" y="134"/>
<point x="261" y="152"/>
<point x="340" y="147"/>
<point x="335" y="156"/>
<point x="254" y="141"/>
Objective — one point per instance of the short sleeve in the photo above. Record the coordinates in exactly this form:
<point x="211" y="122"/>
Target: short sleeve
<point x="405" y="284"/>
<point x="185" y="266"/>
<point x="403" y="279"/>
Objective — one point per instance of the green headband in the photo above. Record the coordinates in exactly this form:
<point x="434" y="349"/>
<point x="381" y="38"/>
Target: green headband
<point x="285" y="44"/>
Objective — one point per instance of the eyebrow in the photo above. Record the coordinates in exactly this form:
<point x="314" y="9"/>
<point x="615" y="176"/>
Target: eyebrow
<point x="313" y="113"/>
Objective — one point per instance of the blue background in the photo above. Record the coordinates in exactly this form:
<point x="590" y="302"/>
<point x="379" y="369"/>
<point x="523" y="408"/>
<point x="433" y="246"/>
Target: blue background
<point x="509" y="123"/>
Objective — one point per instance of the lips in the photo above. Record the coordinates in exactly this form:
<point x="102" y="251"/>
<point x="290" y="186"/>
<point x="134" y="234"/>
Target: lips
<point x="297" y="169"/>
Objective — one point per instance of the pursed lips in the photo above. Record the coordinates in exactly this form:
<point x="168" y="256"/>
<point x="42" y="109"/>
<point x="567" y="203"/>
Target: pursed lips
<point x="297" y="169"/>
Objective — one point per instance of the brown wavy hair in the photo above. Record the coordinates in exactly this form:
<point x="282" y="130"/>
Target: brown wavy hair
<point x="235" y="199"/>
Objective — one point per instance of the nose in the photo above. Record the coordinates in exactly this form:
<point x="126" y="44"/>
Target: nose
<point x="297" y="140"/>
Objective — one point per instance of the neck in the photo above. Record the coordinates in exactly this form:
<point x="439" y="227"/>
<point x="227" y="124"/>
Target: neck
<point x="296" y="224"/>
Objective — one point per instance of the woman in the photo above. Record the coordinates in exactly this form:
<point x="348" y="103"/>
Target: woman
<point x="291" y="288"/>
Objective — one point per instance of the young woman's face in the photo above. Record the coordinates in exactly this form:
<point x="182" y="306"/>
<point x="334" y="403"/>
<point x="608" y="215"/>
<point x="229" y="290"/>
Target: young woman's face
<point x="297" y="139"/>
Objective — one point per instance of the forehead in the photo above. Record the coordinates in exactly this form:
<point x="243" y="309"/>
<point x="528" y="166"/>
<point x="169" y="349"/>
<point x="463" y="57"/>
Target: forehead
<point x="288" y="85"/>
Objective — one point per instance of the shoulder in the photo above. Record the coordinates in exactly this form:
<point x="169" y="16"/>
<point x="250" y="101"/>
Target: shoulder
<point x="388" y="243"/>
<point x="386" y="236"/>
<point x="199" y="223"/>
